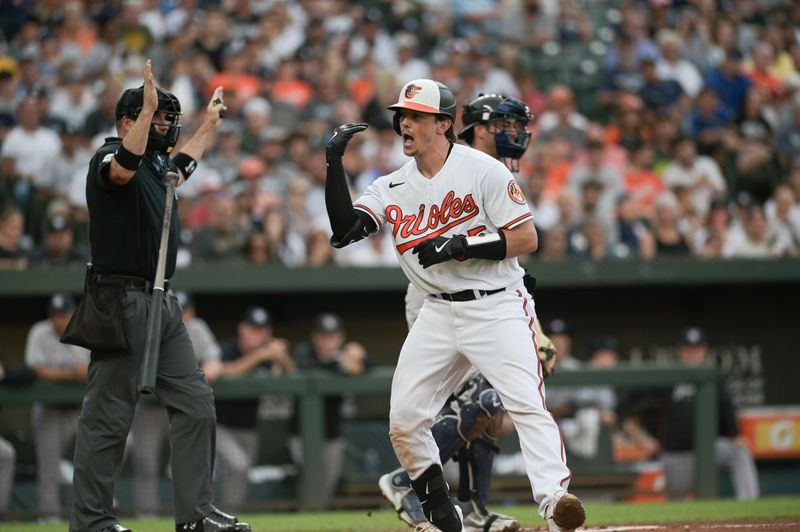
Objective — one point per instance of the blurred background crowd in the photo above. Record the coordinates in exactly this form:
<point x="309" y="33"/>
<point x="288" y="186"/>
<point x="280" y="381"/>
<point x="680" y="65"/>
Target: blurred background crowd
<point x="661" y="127"/>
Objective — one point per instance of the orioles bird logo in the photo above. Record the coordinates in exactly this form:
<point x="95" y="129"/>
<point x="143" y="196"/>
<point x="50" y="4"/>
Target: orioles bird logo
<point x="412" y="90"/>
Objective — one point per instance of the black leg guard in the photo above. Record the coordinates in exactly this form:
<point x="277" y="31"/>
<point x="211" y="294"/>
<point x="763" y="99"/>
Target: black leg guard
<point x="432" y="491"/>
<point x="481" y="456"/>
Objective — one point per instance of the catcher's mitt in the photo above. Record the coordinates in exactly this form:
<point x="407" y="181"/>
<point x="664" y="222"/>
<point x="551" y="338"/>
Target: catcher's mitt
<point x="547" y="355"/>
<point x="547" y="351"/>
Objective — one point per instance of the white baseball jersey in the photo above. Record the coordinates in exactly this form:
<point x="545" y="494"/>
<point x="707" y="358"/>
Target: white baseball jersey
<point x="471" y="194"/>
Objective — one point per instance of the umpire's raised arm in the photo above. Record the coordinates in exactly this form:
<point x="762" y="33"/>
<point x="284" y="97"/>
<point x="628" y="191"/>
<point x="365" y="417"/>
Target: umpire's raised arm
<point x="193" y="150"/>
<point x="347" y="224"/>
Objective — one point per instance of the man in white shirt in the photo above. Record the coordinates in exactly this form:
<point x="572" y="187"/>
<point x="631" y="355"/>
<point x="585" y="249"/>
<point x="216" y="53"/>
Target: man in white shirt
<point x="697" y="173"/>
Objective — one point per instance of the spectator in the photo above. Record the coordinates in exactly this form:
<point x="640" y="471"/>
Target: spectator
<point x="787" y="139"/>
<point x="783" y="212"/>
<point x="631" y="129"/>
<point x="669" y="238"/>
<point x="699" y="174"/>
<point x="58" y="247"/>
<point x="329" y="350"/>
<point x="12" y="254"/>
<point x="256" y="351"/>
<point x="661" y="95"/>
<point x="554" y="244"/>
<point x="755" y="238"/>
<point x="54" y="426"/>
<point x="708" y="121"/>
<point x="761" y="73"/>
<point x="100" y="120"/>
<point x="150" y="424"/>
<point x="712" y="237"/>
<point x="631" y="233"/>
<point x="595" y="168"/>
<point x="729" y="83"/>
<point x="673" y="66"/>
<point x="561" y="399"/>
<point x="223" y="239"/>
<point x="27" y="156"/>
<point x="562" y="119"/>
<point x="678" y="456"/>
<point x="641" y="181"/>
<point x="749" y="150"/>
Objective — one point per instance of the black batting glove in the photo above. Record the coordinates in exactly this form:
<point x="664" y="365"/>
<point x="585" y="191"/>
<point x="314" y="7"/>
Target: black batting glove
<point x="440" y="249"/>
<point x="336" y="145"/>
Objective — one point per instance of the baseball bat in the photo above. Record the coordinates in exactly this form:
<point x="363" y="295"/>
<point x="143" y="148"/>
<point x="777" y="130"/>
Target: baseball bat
<point x="152" y="343"/>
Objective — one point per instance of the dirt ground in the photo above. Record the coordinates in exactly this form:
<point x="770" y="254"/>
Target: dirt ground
<point x="761" y="525"/>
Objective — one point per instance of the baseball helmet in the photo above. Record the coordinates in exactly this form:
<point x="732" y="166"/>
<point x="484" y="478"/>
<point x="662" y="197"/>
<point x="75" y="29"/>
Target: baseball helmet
<point x="425" y="96"/>
<point x="487" y="108"/>
<point x="130" y="104"/>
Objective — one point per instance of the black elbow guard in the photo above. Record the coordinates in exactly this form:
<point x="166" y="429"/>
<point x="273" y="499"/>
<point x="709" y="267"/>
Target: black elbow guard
<point x="363" y="226"/>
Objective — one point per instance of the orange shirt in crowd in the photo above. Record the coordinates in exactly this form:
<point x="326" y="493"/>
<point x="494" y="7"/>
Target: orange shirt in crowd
<point x="557" y="174"/>
<point x="771" y="84"/>
<point x="644" y="186"/>
<point x="295" y="92"/>
<point x="246" y="86"/>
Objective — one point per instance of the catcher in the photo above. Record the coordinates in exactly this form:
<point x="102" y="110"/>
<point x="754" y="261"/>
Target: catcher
<point x="466" y="429"/>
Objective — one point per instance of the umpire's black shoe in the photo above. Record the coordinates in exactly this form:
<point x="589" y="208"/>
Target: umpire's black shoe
<point x="216" y="521"/>
<point x="115" y="528"/>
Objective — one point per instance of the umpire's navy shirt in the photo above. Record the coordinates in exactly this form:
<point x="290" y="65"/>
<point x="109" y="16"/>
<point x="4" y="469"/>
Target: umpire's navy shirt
<point x="125" y="221"/>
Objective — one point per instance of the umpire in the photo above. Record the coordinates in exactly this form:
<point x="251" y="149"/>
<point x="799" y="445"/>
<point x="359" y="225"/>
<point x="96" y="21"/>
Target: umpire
<point x="125" y="193"/>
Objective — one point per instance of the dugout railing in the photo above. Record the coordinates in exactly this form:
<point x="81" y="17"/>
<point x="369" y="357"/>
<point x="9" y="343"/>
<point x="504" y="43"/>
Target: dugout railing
<point x="311" y="388"/>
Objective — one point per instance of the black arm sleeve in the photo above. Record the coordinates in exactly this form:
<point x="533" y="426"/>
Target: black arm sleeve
<point x="337" y="199"/>
<point x="346" y="224"/>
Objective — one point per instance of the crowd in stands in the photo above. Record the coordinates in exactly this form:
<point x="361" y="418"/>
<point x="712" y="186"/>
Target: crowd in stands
<point x="661" y="128"/>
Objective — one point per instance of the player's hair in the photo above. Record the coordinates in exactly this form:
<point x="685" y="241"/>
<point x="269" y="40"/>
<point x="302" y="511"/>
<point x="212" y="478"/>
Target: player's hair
<point x="450" y="134"/>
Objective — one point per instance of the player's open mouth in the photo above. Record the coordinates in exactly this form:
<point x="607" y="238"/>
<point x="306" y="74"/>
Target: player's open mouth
<point x="407" y="139"/>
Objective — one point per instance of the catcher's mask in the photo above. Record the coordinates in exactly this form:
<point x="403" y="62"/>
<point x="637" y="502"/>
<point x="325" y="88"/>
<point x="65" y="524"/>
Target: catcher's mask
<point x="511" y="139"/>
<point x="425" y="96"/>
<point x="130" y="105"/>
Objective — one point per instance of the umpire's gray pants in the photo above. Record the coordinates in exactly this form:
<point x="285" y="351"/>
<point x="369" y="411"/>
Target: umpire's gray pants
<point x="107" y="414"/>
<point x="679" y="470"/>
<point x="8" y="462"/>
<point x="53" y="429"/>
<point x="150" y="426"/>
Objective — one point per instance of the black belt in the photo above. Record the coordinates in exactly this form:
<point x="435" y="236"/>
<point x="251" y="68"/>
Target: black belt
<point x="126" y="282"/>
<point x="467" y="295"/>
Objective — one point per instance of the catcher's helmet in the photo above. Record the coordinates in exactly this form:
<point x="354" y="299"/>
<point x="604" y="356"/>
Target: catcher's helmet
<point x="130" y="104"/>
<point x="425" y="96"/>
<point x="487" y="108"/>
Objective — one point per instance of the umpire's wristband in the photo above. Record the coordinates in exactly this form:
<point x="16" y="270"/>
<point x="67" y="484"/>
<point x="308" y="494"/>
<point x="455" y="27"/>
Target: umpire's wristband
<point x="491" y="246"/>
<point x="185" y="164"/>
<point x="126" y="159"/>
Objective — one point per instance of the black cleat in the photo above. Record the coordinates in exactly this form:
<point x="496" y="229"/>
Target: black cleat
<point x="115" y="528"/>
<point x="216" y="521"/>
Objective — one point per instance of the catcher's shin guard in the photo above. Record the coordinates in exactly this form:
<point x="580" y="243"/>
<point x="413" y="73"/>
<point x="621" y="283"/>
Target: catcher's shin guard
<point x="481" y="457"/>
<point x="434" y="495"/>
<point x="474" y="412"/>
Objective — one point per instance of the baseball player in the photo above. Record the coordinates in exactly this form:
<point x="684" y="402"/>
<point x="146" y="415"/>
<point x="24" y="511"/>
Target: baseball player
<point x="466" y="428"/>
<point x="458" y="220"/>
